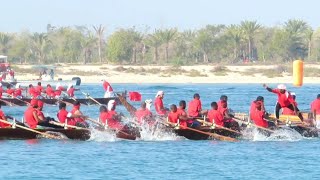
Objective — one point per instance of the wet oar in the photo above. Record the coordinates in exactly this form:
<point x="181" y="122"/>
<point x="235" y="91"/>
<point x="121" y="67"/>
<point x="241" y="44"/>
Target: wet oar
<point x="214" y="135"/>
<point x="32" y="130"/>
<point x="259" y="127"/>
<point x="87" y="95"/>
<point x="221" y="127"/>
<point x="8" y="103"/>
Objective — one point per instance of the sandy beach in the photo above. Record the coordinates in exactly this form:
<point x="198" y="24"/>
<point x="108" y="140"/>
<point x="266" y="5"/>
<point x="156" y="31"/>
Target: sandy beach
<point x="168" y="74"/>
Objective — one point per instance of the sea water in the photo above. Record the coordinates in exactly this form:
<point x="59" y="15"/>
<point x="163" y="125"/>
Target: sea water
<point x="159" y="155"/>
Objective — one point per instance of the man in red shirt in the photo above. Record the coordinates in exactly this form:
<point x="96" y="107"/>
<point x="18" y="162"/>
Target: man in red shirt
<point x="78" y="116"/>
<point x="49" y="91"/>
<point x="18" y="91"/>
<point x="158" y="104"/>
<point x="30" y="115"/>
<point x="108" y="89"/>
<point x="184" y="120"/>
<point x="64" y="116"/>
<point x="284" y="100"/>
<point x="315" y="108"/>
<point x="39" y="88"/>
<point x="112" y="118"/>
<point x="71" y="90"/>
<point x="195" y="107"/>
<point x="10" y="91"/>
<point x="287" y="111"/>
<point x="223" y="99"/>
<point x="32" y="91"/>
<point x="215" y="116"/>
<point x="258" y="113"/>
<point x="143" y="114"/>
<point x="173" y="116"/>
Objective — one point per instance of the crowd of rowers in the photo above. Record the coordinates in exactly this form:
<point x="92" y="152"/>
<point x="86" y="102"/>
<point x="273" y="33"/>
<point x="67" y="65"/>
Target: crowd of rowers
<point x="183" y="115"/>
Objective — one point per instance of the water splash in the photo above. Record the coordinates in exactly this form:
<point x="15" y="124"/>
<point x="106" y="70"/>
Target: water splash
<point x="285" y="134"/>
<point x="103" y="136"/>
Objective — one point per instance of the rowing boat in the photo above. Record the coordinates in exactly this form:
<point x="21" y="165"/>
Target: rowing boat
<point x="192" y="135"/>
<point x="86" y="101"/>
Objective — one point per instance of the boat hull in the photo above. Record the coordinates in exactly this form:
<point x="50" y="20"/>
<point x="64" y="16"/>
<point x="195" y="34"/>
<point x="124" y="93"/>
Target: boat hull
<point x="192" y="135"/>
<point x="64" y="83"/>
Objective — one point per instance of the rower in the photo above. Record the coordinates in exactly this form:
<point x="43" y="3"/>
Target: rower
<point x="229" y="122"/>
<point x="158" y="104"/>
<point x="63" y="115"/>
<point x="107" y="87"/>
<point x="112" y="118"/>
<point x="18" y="91"/>
<point x="173" y="116"/>
<point x="32" y="92"/>
<point x="59" y="90"/>
<point x="10" y="91"/>
<point x="3" y="117"/>
<point x="195" y="107"/>
<point x="78" y="115"/>
<point x="184" y="120"/>
<point x="284" y="100"/>
<point x="70" y="90"/>
<point x="287" y="111"/>
<point x="30" y="115"/>
<point x="258" y="113"/>
<point x="143" y="114"/>
<point x="215" y="116"/>
<point x="315" y="110"/>
<point x="39" y="88"/>
<point x="1" y="90"/>
<point x="223" y="99"/>
<point x="49" y="91"/>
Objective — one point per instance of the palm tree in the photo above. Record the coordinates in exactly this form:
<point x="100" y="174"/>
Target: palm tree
<point x="203" y="43"/>
<point x="309" y="35"/>
<point x="137" y="38"/>
<point x="235" y="33"/>
<point x="296" y="27"/>
<point x="4" y="42"/>
<point x="154" y="40"/>
<point x="87" y="44"/>
<point x="167" y="36"/>
<point x="249" y="29"/>
<point x="99" y="32"/>
<point x="39" y="45"/>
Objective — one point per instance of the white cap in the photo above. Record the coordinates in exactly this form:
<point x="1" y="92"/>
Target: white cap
<point x="292" y="93"/>
<point x="17" y="85"/>
<point x="111" y="104"/>
<point x="58" y="85"/>
<point x="282" y="86"/>
<point x="159" y="93"/>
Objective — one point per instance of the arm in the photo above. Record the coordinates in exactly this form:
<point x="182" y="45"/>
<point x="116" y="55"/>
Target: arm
<point x="267" y="88"/>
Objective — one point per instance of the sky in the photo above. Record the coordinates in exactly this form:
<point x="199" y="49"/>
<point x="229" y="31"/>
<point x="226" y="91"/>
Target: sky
<point x="34" y="15"/>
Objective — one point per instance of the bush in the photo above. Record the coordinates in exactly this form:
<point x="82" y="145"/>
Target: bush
<point x="196" y="73"/>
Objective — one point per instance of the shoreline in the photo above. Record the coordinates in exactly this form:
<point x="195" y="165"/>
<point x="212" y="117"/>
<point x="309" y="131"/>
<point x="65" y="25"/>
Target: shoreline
<point x="198" y="74"/>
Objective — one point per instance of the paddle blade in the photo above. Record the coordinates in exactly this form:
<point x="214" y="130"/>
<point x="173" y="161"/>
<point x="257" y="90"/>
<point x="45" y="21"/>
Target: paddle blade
<point x="135" y="96"/>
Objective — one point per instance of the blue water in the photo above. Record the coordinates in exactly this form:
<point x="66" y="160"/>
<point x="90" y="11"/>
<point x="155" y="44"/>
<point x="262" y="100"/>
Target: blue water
<point x="169" y="157"/>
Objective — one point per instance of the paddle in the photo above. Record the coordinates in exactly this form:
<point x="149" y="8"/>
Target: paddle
<point x="221" y="127"/>
<point x="8" y="103"/>
<point x="69" y="96"/>
<point x="130" y="108"/>
<point x="27" y="103"/>
<point x="214" y="135"/>
<point x="87" y="95"/>
<point x="259" y="127"/>
<point x="32" y="130"/>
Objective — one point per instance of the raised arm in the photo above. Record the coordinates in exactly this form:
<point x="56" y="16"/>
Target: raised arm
<point x="267" y="88"/>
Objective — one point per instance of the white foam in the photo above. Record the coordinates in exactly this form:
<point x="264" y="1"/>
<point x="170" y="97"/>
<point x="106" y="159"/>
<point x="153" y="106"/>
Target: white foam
<point x="103" y="136"/>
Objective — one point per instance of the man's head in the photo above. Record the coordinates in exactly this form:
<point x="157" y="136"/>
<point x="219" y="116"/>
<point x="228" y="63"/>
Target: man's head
<point x="34" y="103"/>
<point x="214" y="105"/>
<point x="318" y="96"/>
<point x="224" y="97"/>
<point x="39" y="83"/>
<point x="260" y="98"/>
<point x="182" y="104"/>
<point x="102" y="109"/>
<point x="196" y="96"/>
<point x="173" y="108"/>
<point x="40" y="104"/>
<point x="282" y="88"/>
<point x="160" y="94"/>
<point x="30" y="85"/>
<point x="62" y="105"/>
<point x="224" y="104"/>
<point x="76" y="105"/>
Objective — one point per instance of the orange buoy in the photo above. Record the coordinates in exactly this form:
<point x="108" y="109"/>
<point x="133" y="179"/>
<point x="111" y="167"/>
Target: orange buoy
<point x="298" y="73"/>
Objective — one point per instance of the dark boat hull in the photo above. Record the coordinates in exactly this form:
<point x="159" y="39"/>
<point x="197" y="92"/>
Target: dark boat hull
<point x="87" y="101"/>
<point x="192" y="135"/>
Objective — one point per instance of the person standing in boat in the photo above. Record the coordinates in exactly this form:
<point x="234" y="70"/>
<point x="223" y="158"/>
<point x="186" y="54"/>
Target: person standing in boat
<point x="108" y="89"/>
<point x="3" y="117"/>
<point x="143" y="114"/>
<point x="215" y="116"/>
<point x="284" y="100"/>
<point x="63" y="115"/>
<point x="78" y="115"/>
<point x="158" y="104"/>
<point x="315" y="110"/>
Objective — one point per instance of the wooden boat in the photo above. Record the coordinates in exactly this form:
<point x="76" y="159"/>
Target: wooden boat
<point x="86" y="101"/>
<point x="73" y="134"/>
<point x="192" y="135"/>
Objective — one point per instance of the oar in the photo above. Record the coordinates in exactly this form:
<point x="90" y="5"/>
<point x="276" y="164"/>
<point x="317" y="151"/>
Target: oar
<point x="8" y="103"/>
<point x="66" y="125"/>
<point x="27" y="103"/>
<point x="32" y="130"/>
<point x="216" y="125"/>
<point x="259" y="127"/>
<point x="131" y="109"/>
<point x="87" y="95"/>
<point x="214" y="135"/>
<point x="69" y="96"/>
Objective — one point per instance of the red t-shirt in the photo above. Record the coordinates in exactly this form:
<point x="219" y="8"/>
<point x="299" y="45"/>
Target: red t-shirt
<point x="173" y="117"/>
<point x="78" y="119"/>
<point x="64" y="115"/>
<point x="257" y="116"/>
<point x="110" y="120"/>
<point x="10" y="92"/>
<point x="216" y="117"/>
<point x="315" y="106"/>
<point x="158" y="105"/>
<point x="142" y="113"/>
<point x="106" y="85"/>
<point x="50" y="92"/>
<point x="194" y="108"/>
<point x="33" y="92"/>
<point x="2" y="124"/>
<point x="182" y="112"/>
<point x="71" y="92"/>
<point x="18" y="92"/>
<point x="1" y="91"/>
<point x="39" y="89"/>
<point x="283" y="99"/>
<point x="28" y="116"/>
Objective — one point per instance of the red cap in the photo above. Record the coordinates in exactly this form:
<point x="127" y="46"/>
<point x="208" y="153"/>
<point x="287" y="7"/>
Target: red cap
<point x="33" y="102"/>
<point x="40" y="103"/>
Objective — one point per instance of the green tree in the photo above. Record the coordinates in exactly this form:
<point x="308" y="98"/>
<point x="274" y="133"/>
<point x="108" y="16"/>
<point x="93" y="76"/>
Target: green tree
<point x="250" y="29"/>
<point x="154" y="40"/>
<point x="99" y="32"/>
<point x="166" y="36"/>
<point x="5" y="39"/>
<point x="235" y="34"/>
<point x="40" y="45"/>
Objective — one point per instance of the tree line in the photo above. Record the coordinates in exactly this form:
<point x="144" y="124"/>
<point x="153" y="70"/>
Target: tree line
<point x="247" y="41"/>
